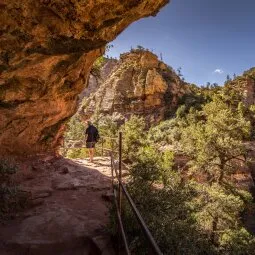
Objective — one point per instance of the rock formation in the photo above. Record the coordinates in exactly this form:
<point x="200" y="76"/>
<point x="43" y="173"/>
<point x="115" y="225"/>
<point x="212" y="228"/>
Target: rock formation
<point x="249" y="91"/>
<point x="140" y="84"/>
<point x="47" y="48"/>
<point x="95" y="80"/>
<point x="244" y="85"/>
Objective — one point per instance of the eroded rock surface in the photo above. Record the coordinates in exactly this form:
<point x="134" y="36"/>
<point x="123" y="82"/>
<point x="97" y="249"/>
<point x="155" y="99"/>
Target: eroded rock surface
<point x="244" y="85"/>
<point x="97" y="79"/>
<point x="47" y="48"/>
<point x="139" y="84"/>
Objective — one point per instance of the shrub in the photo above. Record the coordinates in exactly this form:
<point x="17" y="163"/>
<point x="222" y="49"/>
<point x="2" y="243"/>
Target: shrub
<point x="152" y="166"/>
<point x="75" y="129"/>
<point x="76" y="153"/>
<point x="166" y="133"/>
<point x="237" y="242"/>
<point x="12" y="199"/>
<point x="134" y="136"/>
<point x="163" y="201"/>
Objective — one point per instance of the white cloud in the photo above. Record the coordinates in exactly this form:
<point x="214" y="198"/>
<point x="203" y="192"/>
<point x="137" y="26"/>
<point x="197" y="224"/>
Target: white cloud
<point x="218" y="71"/>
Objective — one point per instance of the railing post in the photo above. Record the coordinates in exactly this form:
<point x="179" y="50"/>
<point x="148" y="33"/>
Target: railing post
<point x="112" y="145"/>
<point x="112" y="171"/>
<point x="120" y="170"/>
<point x="119" y="189"/>
<point x="102" y="147"/>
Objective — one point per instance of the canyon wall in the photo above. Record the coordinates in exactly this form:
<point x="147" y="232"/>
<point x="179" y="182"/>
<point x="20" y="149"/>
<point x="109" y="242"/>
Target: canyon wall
<point x="47" y="48"/>
<point x="97" y="77"/>
<point x="139" y="84"/>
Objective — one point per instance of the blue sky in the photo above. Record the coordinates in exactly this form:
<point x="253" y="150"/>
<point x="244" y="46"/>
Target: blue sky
<point x="200" y="36"/>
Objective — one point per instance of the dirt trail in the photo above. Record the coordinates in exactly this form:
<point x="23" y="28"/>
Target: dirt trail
<point x="69" y="213"/>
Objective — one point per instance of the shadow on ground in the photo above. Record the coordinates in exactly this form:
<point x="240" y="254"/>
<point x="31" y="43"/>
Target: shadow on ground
<point x="68" y="211"/>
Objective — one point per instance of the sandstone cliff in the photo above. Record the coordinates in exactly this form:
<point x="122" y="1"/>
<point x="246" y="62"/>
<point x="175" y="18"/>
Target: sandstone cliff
<point x="139" y="84"/>
<point x="97" y="79"/>
<point x="47" y="48"/>
<point x="244" y="85"/>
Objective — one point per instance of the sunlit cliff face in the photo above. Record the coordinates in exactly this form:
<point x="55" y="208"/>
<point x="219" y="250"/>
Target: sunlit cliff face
<point x="139" y="84"/>
<point x="47" y="48"/>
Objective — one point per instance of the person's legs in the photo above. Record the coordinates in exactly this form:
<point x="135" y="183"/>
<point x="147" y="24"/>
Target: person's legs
<point x="91" y="148"/>
<point x="91" y="154"/>
<point x="88" y="145"/>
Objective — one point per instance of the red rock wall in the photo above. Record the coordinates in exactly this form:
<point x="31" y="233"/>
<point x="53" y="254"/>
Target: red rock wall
<point x="47" y="48"/>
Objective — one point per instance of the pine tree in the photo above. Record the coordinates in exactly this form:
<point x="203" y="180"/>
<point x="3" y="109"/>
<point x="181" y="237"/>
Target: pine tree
<point x="161" y="57"/>
<point x="213" y="140"/>
<point x="228" y="78"/>
<point x="139" y="47"/>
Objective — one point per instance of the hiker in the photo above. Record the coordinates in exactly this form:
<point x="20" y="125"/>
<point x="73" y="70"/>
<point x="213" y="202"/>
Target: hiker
<point x="91" y="137"/>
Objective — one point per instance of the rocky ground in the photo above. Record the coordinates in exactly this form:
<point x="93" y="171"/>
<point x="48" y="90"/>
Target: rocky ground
<point x="68" y="213"/>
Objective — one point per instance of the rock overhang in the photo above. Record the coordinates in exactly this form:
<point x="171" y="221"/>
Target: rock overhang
<point x="47" y="48"/>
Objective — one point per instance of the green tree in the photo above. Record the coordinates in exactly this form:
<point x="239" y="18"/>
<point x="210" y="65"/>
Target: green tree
<point x="208" y="84"/>
<point x="99" y="63"/>
<point x="134" y="136"/>
<point x="166" y="133"/>
<point x="139" y="47"/>
<point x="237" y="242"/>
<point x="217" y="212"/>
<point x="228" y="79"/>
<point x="181" y="111"/>
<point x="179" y="69"/>
<point x="152" y="166"/>
<point x="107" y="126"/>
<point x="163" y="200"/>
<point x="213" y="141"/>
<point x="75" y="129"/>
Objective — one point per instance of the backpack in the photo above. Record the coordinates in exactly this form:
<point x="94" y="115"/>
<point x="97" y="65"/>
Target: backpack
<point x="97" y="136"/>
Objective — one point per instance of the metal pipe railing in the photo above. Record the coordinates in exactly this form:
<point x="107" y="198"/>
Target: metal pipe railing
<point x="121" y="187"/>
<point x="122" y="231"/>
<point x="122" y="190"/>
<point x="120" y="170"/>
<point x="139" y="217"/>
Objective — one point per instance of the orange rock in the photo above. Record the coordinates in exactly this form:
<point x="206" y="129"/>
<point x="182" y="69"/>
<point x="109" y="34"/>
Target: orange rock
<point x="47" y="49"/>
<point x="139" y="84"/>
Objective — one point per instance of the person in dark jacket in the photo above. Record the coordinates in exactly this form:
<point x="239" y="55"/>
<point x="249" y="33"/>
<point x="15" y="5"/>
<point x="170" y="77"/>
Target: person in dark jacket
<point x="91" y="137"/>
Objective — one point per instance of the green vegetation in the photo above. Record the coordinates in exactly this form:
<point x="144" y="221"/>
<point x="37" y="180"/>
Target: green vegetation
<point x="95" y="70"/>
<point x="75" y="135"/>
<point x="134" y="137"/>
<point x="213" y="139"/>
<point x="195" y="209"/>
<point x="12" y="200"/>
<point x="75" y="129"/>
<point x="182" y="170"/>
<point x="98" y="64"/>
